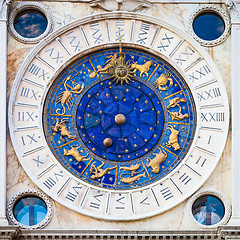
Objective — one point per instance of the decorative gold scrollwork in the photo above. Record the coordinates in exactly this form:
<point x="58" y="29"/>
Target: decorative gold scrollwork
<point x="162" y="81"/>
<point x="75" y="153"/>
<point x="65" y="97"/>
<point x="62" y="127"/>
<point x="98" y="172"/>
<point x="157" y="160"/>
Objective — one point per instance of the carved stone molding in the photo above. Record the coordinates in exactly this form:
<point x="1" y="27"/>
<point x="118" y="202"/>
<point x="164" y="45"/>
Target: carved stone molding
<point x="211" y="192"/>
<point x="30" y="6"/>
<point x="12" y="201"/>
<point x="235" y="10"/>
<point x="4" y="8"/>
<point x="120" y="5"/>
<point x="210" y="8"/>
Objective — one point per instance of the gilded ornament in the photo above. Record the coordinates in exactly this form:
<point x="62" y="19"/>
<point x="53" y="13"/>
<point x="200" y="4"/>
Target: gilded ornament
<point x="98" y="172"/>
<point x="162" y="81"/>
<point x="173" y="139"/>
<point x="144" y="68"/>
<point x="107" y="142"/>
<point x="130" y="180"/>
<point x="174" y="102"/>
<point x="65" y="97"/>
<point x="157" y="160"/>
<point x="62" y="127"/>
<point x="132" y="168"/>
<point x="178" y="115"/>
<point x="75" y="153"/>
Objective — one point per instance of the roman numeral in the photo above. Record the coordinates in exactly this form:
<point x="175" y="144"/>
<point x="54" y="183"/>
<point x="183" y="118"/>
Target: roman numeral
<point x="53" y="180"/>
<point x="165" y="43"/>
<point x="121" y="203"/>
<point x="55" y="55"/>
<point x="199" y="73"/>
<point x="74" y="42"/>
<point x="201" y="161"/>
<point x="184" y="56"/>
<point x="37" y="160"/>
<point x="144" y="201"/>
<point x="29" y="93"/>
<point x="38" y="72"/>
<point x="185" y="178"/>
<point x="119" y="24"/>
<point x="72" y="195"/>
<point x="25" y="116"/>
<point x="212" y="117"/>
<point x="144" y="30"/>
<point x="166" y="193"/>
<point x="97" y="35"/>
<point x="98" y="199"/>
<point x="30" y="138"/>
<point x="211" y="93"/>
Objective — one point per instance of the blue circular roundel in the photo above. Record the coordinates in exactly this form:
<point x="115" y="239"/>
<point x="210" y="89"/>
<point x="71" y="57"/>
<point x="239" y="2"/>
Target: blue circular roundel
<point x="119" y="119"/>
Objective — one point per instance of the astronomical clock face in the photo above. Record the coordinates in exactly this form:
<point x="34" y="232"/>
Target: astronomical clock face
<point x="118" y="118"/>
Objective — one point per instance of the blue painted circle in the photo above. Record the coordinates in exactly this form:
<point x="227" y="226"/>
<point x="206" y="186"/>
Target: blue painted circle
<point x="208" y="26"/>
<point x="89" y="118"/>
<point x="137" y="102"/>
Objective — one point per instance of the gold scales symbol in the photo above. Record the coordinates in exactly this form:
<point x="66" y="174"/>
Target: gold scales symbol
<point x="120" y="70"/>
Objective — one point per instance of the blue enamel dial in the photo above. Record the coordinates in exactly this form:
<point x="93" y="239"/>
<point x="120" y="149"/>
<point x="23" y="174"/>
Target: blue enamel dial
<point x="119" y="121"/>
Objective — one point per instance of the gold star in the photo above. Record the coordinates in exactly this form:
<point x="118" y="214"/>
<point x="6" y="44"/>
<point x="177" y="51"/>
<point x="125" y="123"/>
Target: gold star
<point x="93" y="149"/>
<point x="137" y="99"/>
<point x="88" y="115"/>
<point x="135" y="145"/>
<point x="99" y="102"/>
<point x="145" y="149"/>
<point x="89" y="95"/>
<point x="126" y="151"/>
<point x="100" y="111"/>
<point x="107" y="95"/>
<point x="126" y="140"/>
<point x="146" y="101"/>
<point x="79" y="118"/>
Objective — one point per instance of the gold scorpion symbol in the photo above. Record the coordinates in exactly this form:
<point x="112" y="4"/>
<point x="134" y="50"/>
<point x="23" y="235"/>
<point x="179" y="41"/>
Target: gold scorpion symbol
<point x="65" y="97"/>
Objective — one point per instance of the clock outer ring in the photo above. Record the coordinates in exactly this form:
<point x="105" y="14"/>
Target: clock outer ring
<point x="104" y="17"/>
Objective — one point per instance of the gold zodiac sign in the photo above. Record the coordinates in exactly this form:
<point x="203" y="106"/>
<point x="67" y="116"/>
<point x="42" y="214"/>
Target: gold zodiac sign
<point x="178" y="115"/>
<point x="174" y="102"/>
<point x="163" y="80"/>
<point x="98" y="172"/>
<point x="173" y="138"/>
<point x="157" y="160"/>
<point x="131" y="180"/>
<point x="75" y="153"/>
<point x="132" y="168"/>
<point x="65" y="97"/>
<point x="142" y="68"/>
<point x="108" y="64"/>
<point x="62" y="127"/>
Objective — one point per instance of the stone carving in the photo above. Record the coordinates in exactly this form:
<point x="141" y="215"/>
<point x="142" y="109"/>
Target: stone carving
<point x="120" y="5"/>
<point x="4" y="8"/>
